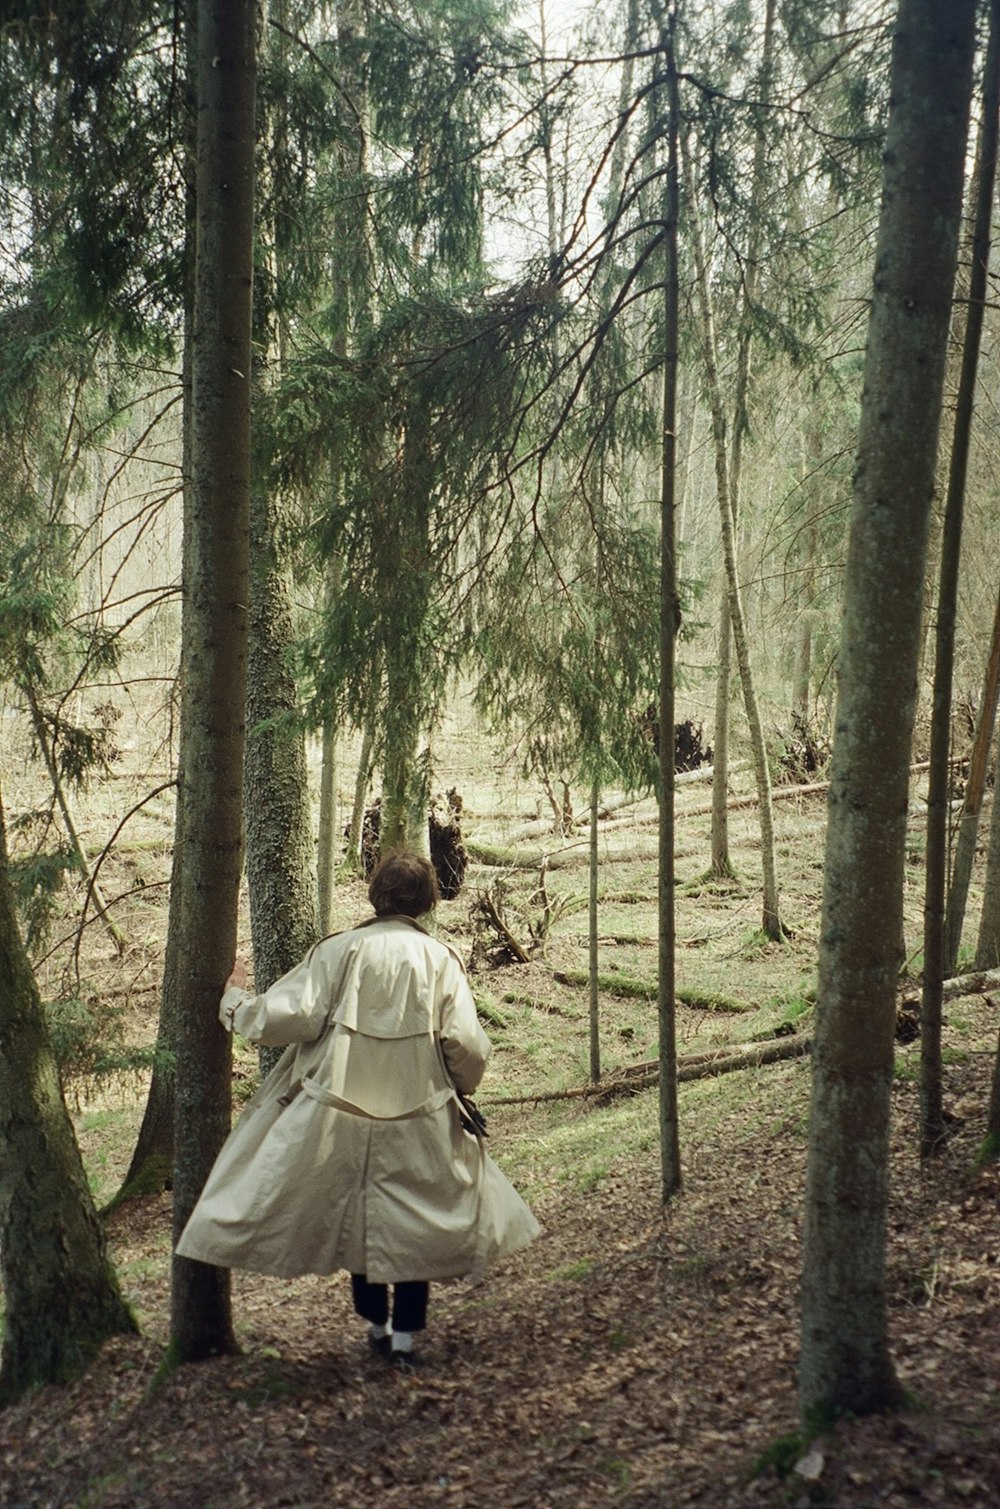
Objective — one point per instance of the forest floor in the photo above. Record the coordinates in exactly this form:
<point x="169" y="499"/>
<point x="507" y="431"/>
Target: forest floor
<point x="635" y="1354"/>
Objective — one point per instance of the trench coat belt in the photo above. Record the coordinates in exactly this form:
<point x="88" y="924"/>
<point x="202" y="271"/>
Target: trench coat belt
<point x="327" y="1098"/>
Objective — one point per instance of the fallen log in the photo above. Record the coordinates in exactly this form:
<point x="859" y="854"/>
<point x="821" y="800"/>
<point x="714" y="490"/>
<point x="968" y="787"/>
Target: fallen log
<point x="778" y="794"/>
<point x="577" y="853"/>
<point x="643" y="1076"/>
<point x="538" y="827"/>
<point x="970" y="985"/>
<point x="647" y="990"/>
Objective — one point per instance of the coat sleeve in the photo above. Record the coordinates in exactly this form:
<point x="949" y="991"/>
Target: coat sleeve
<point x="293" y="1010"/>
<point x="465" y="1045"/>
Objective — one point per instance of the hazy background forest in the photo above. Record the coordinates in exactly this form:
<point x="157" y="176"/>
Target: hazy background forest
<point x="555" y="375"/>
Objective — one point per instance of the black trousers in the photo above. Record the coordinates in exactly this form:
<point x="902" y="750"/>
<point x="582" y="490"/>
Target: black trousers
<point x="409" y="1303"/>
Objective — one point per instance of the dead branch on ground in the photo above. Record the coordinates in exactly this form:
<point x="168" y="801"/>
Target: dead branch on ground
<point x="643" y="1076"/>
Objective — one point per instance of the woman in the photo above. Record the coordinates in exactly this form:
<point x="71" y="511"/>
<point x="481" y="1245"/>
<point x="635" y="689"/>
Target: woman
<point x="353" y="1153"/>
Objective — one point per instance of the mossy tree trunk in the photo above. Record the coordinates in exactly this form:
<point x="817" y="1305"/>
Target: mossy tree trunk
<point x="62" y="1297"/>
<point x="845" y="1358"/>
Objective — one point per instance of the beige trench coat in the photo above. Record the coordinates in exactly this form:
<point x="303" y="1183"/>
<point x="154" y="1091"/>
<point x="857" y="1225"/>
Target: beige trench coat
<point x="351" y="1154"/>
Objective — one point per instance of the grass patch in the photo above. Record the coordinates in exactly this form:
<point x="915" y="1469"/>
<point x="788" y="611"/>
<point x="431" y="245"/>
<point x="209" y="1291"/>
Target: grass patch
<point x="616" y="1469"/>
<point x="780" y="1458"/>
<point x="489" y="1013"/>
<point x="711" y="1000"/>
<point x="534" y="1003"/>
<point x="573" y="1272"/>
<point x="271" y="1384"/>
<point x="106" y="1135"/>
<point x="551" y="1154"/>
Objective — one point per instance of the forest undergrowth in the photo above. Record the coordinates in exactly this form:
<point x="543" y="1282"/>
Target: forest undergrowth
<point x="633" y="1355"/>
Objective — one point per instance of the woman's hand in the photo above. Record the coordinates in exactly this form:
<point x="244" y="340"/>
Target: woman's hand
<point x="239" y="979"/>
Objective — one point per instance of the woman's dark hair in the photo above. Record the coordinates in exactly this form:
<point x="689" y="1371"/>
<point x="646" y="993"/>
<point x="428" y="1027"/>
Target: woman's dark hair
<point x="404" y="884"/>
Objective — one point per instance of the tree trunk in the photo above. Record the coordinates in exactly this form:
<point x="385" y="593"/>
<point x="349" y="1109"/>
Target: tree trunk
<point x="352" y="295"/>
<point x="809" y="551"/>
<point x="721" y="867"/>
<point x="279" y="842"/>
<point x="975" y="787"/>
<point x="62" y="1297"/>
<point x="352" y="856"/>
<point x="408" y="693"/>
<point x="214" y="630"/>
<point x="936" y="965"/>
<point x="592" y="940"/>
<point x="670" y="1157"/>
<point x="845" y="1360"/>
<point x="278" y="819"/>
<point x="771" y="919"/>
<point x="151" y="1168"/>
<point x="328" y="838"/>
<point x="988" y="942"/>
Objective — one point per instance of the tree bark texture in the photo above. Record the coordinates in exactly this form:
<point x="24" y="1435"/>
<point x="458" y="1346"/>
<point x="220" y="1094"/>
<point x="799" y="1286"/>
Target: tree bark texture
<point x="281" y="873"/>
<point x="62" y="1297"/>
<point x="278" y="821"/>
<point x="214" y="630"/>
<point x="845" y="1359"/>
